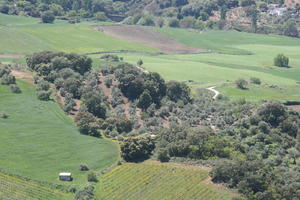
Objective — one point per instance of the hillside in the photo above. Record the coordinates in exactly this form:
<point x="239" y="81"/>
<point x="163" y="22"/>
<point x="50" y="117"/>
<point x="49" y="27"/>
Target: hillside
<point x="153" y="180"/>
<point x="39" y="141"/>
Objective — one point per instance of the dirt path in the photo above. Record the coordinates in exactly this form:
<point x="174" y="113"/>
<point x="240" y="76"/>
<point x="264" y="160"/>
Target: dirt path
<point x="217" y="93"/>
<point x="11" y="56"/>
<point x="148" y="37"/>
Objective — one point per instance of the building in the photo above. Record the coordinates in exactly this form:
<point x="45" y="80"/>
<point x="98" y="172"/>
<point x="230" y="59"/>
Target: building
<point x="65" y="176"/>
<point x="278" y="11"/>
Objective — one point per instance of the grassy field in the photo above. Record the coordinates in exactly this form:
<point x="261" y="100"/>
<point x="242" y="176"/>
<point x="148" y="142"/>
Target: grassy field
<point x="22" y="35"/>
<point x="38" y="140"/>
<point x="153" y="180"/>
<point x="237" y="55"/>
<point x="12" y="187"/>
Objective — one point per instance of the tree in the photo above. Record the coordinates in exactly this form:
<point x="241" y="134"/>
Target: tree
<point x="290" y="29"/>
<point x="253" y="14"/>
<point x="223" y="12"/>
<point x="273" y="113"/>
<point x="83" y="167"/>
<point x="48" y="17"/>
<point x="281" y="61"/>
<point x="92" y="177"/>
<point x="85" y="193"/>
<point x="137" y="149"/>
<point x="15" y="89"/>
<point x="160" y="22"/>
<point x="174" y="23"/>
<point x="43" y="95"/>
<point x="145" y="100"/>
<point x="4" y="8"/>
<point x="140" y="62"/>
<point x="241" y="83"/>
<point x="255" y="80"/>
<point x="87" y="124"/>
<point x="8" y="79"/>
<point x="177" y="91"/>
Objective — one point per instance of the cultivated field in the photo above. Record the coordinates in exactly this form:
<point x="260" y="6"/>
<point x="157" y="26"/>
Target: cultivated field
<point x="153" y="180"/>
<point x="22" y="35"/>
<point x="148" y="37"/>
<point x="14" y="188"/>
<point x="38" y="140"/>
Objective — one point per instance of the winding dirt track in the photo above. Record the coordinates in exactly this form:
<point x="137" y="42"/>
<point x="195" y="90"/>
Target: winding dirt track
<point x="149" y="38"/>
<point x="217" y="93"/>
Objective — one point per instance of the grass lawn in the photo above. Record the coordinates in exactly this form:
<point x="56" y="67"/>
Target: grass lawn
<point x="38" y="140"/>
<point x="153" y="180"/>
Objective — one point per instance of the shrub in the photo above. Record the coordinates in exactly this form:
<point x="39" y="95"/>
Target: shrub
<point x="15" y="89"/>
<point x="92" y="177"/>
<point x="48" y="17"/>
<point x="160" y="22"/>
<point x="241" y="83"/>
<point x="43" y="85"/>
<point x="108" y="81"/>
<point x="281" y="61"/>
<point x="4" y="9"/>
<point x="255" y="80"/>
<point x="4" y="70"/>
<point x="3" y="115"/>
<point x="87" y="124"/>
<point x="140" y="62"/>
<point x="163" y="156"/>
<point x="83" y="167"/>
<point x="86" y="193"/>
<point x="174" y="23"/>
<point x="43" y="95"/>
<point x="8" y="79"/>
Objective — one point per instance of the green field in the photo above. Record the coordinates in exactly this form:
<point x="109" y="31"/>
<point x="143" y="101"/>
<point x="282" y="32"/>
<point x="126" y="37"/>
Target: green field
<point x="21" y="35"/>
<point x="12" y="187"/>
<point x="153" y="180"/>
<point x="234" y="55"/>
<point x="38" y="140"/>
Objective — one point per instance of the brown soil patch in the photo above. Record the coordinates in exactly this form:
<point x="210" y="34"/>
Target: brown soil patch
<point x="295" y="107"/>
<point x="148" y="37"/>
<point x="26" y="76"/>
<point x="11" y="56"/>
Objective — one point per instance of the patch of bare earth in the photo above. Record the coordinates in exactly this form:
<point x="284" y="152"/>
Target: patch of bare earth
<point x="149" y="38"/>
<point x="11" y="56"/>
<point x="25" y="76"/>
<point x="295" y="107"/>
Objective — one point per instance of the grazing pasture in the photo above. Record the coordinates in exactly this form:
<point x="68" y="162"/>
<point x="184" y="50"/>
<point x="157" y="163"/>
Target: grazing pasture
<point x="154" y="180"/>
<point x="38" y="140"/>
<point x="12" y="187"/>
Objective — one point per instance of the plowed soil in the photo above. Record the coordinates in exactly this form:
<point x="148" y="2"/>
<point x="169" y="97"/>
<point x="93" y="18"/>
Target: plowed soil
<point x="148" y="37"/>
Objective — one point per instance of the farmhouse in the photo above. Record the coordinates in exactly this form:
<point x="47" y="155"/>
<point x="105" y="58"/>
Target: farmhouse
<point x="65" y="176"/>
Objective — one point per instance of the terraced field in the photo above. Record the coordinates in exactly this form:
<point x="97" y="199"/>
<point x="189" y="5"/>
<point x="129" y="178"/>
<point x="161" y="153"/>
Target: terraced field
<point x="153" y="180"/>
<point x="14" y="188"/>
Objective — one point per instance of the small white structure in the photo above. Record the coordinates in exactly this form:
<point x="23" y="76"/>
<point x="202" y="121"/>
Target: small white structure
<point x="65" y="176"/>
<point x="278" y="11"/>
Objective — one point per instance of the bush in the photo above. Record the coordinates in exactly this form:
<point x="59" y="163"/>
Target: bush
<point x="92" y="177"/>
<point x="255" y="80"/>
<point x="15" y="89"/>
<point x="4" y="9"/>
<point x="241" y="83"/>
<point x="48" y="17"/>
<point x="281" y="61"/>
<point x="8" y="79"/>
<point x="4" y="70"/>
<point x="83" y="167"/>
<point x="3" y="115"/>
<point x="43" y="85"/>
<point x="86" y="193"/>
<point x="174" y="23"/>
<point x="43" y="95"/>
